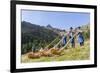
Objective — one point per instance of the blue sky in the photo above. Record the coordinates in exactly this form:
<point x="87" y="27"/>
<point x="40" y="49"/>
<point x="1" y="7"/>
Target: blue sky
<point x="61" y="20"/>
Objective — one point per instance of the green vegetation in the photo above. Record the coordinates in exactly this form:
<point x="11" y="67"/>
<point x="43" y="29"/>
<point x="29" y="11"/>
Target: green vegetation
<point x="41" y="36"/>
<point x="86" y="31"/>
<point x="35" y="35"/>
<point x="77" y="53"/>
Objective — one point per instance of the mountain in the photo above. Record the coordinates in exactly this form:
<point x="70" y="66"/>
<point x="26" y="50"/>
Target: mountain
<point x="85" y="27"/>
<point x="49" y="26"/>
<point x="56" y="30"/>
<point x="35" y="34"/>
<point x="41" y="36"/>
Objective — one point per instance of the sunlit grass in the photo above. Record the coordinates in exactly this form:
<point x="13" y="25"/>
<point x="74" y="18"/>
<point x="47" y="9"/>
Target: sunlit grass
<point x="77" y="53"/>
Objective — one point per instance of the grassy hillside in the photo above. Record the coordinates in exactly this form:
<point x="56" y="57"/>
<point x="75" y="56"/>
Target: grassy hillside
<point x="41" y="36"/>
<point x="77" y="53"/>
<point x="32" y="34"/>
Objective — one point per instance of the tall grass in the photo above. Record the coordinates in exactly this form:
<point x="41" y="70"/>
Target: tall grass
<point x="77" y="53"/>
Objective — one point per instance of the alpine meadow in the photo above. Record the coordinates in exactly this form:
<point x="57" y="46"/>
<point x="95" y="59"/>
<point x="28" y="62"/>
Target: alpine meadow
<point x="54" y="36"/>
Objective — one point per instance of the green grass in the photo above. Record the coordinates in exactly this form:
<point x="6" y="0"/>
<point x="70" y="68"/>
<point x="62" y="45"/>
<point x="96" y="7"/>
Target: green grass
<point x="77" y="53"/>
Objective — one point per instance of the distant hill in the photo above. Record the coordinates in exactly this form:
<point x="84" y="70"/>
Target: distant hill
<point x="56" y="30"/>
<point x="41" y="36"/>
<point x="37" y="35"/>
<point x="49" y="26"/>
<point x="86" y="27"/>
